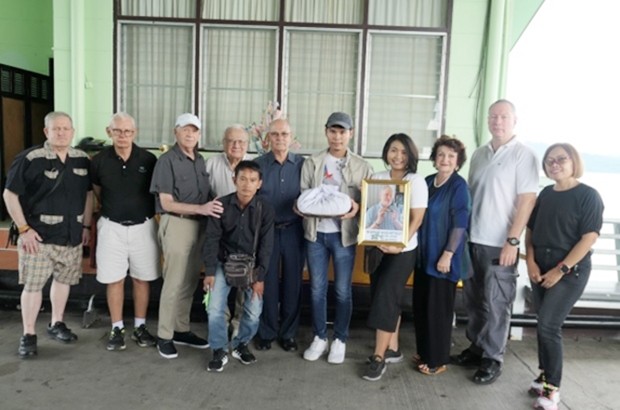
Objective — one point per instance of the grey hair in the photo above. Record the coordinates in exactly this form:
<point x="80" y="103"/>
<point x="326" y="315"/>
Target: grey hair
<point x="233" y="127"/>
<point x="51" y="116"/>
<point x="122" y="116"/>
<point x="504" y="101"/>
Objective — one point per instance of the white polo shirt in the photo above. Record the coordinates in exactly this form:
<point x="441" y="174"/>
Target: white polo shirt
<point x="495" y="180"/>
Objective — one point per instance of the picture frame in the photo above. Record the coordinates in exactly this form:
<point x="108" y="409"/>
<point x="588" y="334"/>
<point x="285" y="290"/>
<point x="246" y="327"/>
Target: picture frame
<point x="384" y="212"/>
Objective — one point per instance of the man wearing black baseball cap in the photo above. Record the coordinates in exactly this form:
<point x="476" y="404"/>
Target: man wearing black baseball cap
<point x="334" y="237"/>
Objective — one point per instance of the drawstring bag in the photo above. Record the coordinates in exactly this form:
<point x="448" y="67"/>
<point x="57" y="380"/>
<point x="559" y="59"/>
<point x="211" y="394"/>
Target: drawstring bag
<point x="324" y="201"/>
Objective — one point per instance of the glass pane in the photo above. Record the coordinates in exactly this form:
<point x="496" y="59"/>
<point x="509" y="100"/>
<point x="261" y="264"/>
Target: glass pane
<point x="409" y="13"/>
<point x="253" y="10"/>
<point x="322" y="77"/>
<point x="155" y="74"/>
<point x="159" y="8"/>
<point x="404" y="89"/>
<point x="324" y="11"/>
<point x="238" y="77"/>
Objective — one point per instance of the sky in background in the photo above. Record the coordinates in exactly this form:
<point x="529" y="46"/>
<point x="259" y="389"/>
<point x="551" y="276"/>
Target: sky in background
<point x="564" y="76"/>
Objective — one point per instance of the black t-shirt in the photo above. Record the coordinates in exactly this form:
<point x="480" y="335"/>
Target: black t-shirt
<point x="561" y="218"/>
<point x="124" y="185"/>
<point x="52" y="194"/>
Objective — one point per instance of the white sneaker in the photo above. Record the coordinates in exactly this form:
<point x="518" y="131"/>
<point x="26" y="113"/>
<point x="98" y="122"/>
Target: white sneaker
<point x="549" y="400"/>
<point x="536" y="387"/>
<point x="337" y="351"/>
<point x="317" y="349"/>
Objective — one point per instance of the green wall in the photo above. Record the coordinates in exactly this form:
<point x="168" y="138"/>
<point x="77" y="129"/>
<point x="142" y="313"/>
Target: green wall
<point x="83" y="57"/>
<point x="26" y="34"/>
<point x="83" y="63"/>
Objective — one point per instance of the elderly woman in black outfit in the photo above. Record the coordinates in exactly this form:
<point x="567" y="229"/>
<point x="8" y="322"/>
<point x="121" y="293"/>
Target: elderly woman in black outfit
<point x="562" y="229"/>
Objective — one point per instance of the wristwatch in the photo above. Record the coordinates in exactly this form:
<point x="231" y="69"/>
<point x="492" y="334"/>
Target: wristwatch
<point x="513" y="241"/>
<point x="564" y="268"/>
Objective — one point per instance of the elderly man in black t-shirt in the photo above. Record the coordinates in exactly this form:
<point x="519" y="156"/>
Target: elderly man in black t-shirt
<point x="126" y="232"/>
<point x="48" y="195"/>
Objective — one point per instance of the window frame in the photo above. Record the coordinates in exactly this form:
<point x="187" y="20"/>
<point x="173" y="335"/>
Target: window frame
<point x="281" y="65"/>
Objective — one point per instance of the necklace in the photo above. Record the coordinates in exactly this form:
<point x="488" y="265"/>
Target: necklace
<point x="436" y="185"/>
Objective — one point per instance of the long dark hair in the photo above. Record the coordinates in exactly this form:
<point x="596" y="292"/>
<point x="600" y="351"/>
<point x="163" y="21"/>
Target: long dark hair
<point x="410" y="149"/>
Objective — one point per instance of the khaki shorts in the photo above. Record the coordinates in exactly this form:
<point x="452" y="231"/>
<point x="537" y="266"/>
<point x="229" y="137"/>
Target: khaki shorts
<point x="64" y="262"/>
<point x="122" y="248"/>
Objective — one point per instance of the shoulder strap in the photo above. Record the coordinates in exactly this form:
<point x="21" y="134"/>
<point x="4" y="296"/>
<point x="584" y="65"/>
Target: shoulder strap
<point x="259" y="208"/>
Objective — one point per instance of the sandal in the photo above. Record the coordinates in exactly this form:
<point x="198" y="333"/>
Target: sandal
<point x="416" y="359"/>
<point x="431" y="371"/>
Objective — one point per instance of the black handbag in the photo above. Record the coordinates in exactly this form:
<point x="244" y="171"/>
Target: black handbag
<point x="239" y="268"/>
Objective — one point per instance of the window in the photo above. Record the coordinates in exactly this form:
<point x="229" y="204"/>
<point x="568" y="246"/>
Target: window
<point x="381" y="61"/>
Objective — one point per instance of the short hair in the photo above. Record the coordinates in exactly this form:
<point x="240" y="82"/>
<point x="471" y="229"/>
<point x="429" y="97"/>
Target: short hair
<point x="578" y="167"/>
<point x="122" y="116"/>
<point x="233" y="127"/>
<point x="410" y="149"/>
<point x="452" y="143"/>
<point x="283" y="120"/>
<point x="251" y="165"/>
<point x="51" y="116"/>
<point x="504" y="101"/>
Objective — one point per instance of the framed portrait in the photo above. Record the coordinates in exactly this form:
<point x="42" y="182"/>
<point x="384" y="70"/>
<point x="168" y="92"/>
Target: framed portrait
<point x="384" y="210"/>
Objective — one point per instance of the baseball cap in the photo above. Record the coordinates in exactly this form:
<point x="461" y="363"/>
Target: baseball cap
<point x="340" y="119"/>
<point x="187" y="119"/>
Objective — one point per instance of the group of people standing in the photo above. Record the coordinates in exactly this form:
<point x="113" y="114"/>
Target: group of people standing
<point x="209" y="209"/>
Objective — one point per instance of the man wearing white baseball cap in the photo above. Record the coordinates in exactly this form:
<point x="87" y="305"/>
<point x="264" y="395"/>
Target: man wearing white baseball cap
<point x="181" y="187"/>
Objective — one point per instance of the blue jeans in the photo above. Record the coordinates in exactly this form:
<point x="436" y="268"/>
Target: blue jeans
<point x="318" y="254"/>
<point x="218" y="306"/>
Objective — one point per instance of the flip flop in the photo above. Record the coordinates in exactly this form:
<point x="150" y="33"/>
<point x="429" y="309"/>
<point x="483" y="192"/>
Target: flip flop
<point x="431" y="371"/>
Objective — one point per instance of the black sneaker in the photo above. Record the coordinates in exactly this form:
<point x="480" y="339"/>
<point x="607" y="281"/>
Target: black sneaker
<point x="166" y="348"/>
<point x="190" y="339"/>
<point x="116" y="341"/>
<point x="142" y="337"/>
<point x="243" y="354"/>
<point x="220" y="358"/>
<point x="61" y="333"/>
<point x="27" y="346"/>
<point x="467" y="358"/>
<point x="375" y="369"/>
<point x="390" y="356"/>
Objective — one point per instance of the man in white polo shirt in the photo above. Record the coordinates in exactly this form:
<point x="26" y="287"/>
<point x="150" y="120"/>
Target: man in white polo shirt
<point x="503" y="178"/>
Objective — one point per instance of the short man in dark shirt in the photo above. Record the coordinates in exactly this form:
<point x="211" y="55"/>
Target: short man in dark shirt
<point x="282" y="299"/>
<point x="234" y="233"/>
<point x="48" y="195"/>
<point x="181" y="185"/>
<point x="126" y="231"/>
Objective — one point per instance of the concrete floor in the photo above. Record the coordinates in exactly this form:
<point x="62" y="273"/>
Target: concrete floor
<point x="86" y="376"/>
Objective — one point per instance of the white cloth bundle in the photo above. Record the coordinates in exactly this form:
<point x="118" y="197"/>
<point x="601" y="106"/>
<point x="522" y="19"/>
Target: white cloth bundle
<point x="324" y="200"/>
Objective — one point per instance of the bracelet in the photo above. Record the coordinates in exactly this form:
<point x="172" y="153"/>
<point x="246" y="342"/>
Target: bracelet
<point x="86" y="227"/>
<point x="23" y="229"/>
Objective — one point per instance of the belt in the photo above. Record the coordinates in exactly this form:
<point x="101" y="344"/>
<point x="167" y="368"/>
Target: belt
<point x="128" y="222"/>
<point x="193" y="217"/>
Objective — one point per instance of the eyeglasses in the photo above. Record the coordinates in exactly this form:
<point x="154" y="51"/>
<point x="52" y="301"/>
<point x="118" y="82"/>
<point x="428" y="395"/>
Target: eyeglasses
<point x="118" y="132"/>
<point x="559" y="160"/>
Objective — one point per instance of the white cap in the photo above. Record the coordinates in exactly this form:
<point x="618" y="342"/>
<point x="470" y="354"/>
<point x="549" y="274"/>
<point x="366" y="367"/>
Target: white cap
<point x="187" y="119"/>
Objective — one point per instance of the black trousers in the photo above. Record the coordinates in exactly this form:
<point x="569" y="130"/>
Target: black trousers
<point x="433" y="312"/>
